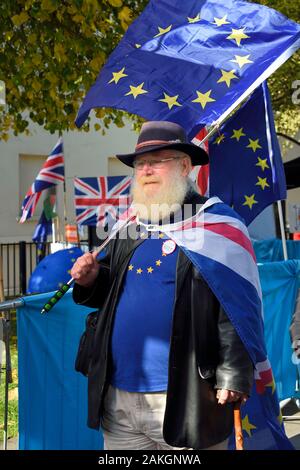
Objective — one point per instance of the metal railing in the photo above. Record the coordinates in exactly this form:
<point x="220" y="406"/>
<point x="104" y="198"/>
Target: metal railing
<point x="18" y="262"/>
<point x="5" y="309"/>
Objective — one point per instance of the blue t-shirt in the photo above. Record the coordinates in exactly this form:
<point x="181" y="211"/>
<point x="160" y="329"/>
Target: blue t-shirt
<point x="142" y="327"/>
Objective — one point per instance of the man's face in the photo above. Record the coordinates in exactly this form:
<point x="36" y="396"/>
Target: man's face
<point x="160" y="182"/>
<point x="155" y="174"/>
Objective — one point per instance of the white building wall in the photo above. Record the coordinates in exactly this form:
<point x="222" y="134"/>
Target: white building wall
<point x="86" y="154"/>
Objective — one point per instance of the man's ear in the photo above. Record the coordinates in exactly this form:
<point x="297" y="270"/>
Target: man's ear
<point x="186" y="165"/>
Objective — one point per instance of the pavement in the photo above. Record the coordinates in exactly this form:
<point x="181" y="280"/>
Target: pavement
<point x="291" y="419"/>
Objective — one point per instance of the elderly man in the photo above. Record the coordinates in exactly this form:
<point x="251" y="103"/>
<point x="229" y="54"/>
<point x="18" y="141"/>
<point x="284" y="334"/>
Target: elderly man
<point x="167" y="363"/>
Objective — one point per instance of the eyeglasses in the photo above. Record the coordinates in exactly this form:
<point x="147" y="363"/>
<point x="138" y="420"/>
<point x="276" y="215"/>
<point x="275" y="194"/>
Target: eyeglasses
<point x="155" y="164"/>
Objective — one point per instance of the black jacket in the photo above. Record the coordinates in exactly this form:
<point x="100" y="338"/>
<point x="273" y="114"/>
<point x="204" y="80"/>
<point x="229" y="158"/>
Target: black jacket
<point x="205" y="350"/>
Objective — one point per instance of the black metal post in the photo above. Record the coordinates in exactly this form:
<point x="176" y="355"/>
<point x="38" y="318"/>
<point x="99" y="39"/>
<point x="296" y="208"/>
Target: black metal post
<point x="22" y="258"/>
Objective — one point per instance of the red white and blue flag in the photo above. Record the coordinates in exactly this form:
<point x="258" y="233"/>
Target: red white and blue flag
<point x="100" y="199"/>
<point x="217" y="243"/>
<point x="200" y="173"/>
<point x="51" y="173"/>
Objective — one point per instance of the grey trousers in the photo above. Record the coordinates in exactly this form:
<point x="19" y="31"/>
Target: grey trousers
<point x="134" y="421"/>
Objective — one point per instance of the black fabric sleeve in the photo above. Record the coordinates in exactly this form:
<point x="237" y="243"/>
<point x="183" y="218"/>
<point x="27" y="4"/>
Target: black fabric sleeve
<point x="235" y="368"/>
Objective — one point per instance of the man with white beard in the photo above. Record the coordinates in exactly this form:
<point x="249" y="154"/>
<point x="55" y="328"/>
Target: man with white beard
<point x="167" y="363"/>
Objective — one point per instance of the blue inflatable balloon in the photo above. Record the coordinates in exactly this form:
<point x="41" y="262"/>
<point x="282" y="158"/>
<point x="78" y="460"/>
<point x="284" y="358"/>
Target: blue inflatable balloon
<point x="53" y="271"/>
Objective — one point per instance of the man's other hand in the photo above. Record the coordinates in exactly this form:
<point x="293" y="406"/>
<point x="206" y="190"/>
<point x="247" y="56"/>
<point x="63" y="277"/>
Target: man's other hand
<point x="229" y="396"/>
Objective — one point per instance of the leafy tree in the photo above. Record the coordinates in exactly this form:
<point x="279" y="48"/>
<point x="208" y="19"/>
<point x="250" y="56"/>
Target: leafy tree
<point x="52" y="50"/>
<point x="287" y="115"/>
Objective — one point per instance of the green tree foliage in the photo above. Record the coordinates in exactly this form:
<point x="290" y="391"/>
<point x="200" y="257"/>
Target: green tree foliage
<point x="51" y="52"/>
<point x="287" y="113"/>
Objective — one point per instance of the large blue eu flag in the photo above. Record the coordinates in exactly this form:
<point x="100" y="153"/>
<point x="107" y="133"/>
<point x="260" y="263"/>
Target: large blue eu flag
<point x="191" y="62"/>
<point x="246" y="169"/>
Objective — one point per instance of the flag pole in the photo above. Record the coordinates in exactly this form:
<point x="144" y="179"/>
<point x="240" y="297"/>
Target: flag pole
<point x="281" y="222"/>
<point x="64" y="289"/>
<point x="212" y="131"/>
<point x="64" y="196"/>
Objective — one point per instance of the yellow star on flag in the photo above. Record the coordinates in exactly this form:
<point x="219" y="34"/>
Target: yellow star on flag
<point x="238" y="35"/>
<point x="118" y="75"/>
<point x="249" y="201"/>
<point x="170" y="100"/>
<point x="194" y="20"/>
<point x="262" y="182"/>
<point x="254" y="145"/>
<point x="150" y="270"/>
<point x="139" y="271"/>
<point x="219" y="139"/>
<point x="262" y="163"/>
<point x="237" y="134"/>
<point x="221" y="21"/>
<point x="138" y="46"/>
<point x="163" y="31"/>
<point x="136" y="90"/>
<point x="242" y="60"/>
<point x="158" y="262"/>
<point x="247" y="426"/>
<point x="203" y="98"/>
<point x="161" y="235"/>
<point x="272" y="385"/>
<point x="227" y="77"/>
<point x="130" y="267"/>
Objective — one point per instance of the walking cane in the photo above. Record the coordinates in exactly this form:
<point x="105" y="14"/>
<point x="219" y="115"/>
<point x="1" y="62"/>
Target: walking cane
<point x="239" y="440"/>
<point x="64" y="289"/>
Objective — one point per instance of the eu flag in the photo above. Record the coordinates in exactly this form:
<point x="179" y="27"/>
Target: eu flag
<point x="190" y="62"/>
<point x="246" y="169"/>
<point x="53" y="271"/>
<point x="42" y="229"/>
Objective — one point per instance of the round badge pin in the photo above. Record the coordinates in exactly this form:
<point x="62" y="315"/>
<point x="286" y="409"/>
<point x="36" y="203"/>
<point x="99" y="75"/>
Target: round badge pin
<point x="168" y="247"/>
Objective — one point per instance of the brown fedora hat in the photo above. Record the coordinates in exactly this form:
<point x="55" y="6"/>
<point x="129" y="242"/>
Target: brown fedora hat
<point x="159" y="135"/>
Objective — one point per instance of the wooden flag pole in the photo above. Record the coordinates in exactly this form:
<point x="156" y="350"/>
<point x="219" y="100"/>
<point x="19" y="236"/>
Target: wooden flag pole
<point x="238" y="430"/>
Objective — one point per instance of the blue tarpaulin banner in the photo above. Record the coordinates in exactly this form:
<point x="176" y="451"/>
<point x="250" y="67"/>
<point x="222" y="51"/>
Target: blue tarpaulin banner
<point x="271" y="250"/>
<point x="280" y="282"/>
<point x="53" y="397"/>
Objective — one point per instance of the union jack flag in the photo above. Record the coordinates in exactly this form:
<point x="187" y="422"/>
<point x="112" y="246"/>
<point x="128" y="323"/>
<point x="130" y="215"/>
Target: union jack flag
<point x="99" y="198"/>
<point x="51" y="173"/>
<point x="217" y="243"/>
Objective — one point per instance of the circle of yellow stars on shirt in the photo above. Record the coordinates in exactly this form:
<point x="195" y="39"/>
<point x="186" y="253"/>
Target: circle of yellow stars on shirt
<point x="150" y="269"/>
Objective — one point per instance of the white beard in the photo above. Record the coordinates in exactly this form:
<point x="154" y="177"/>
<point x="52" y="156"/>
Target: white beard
<point x="164" y="202"/>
